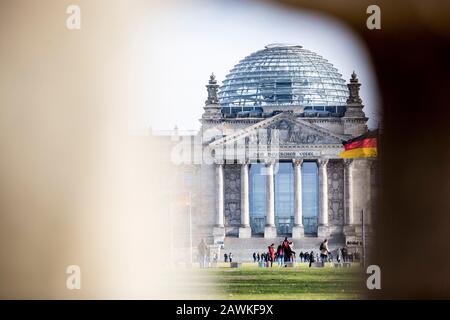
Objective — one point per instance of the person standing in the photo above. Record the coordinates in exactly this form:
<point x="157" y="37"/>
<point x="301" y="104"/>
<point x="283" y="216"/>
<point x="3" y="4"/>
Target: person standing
<point x="311" y="258"/>
<point x="271" y="254"/>
<point x="280" y="254"/>
<point x="261" y="260"/>
<point x="324" y="251"/>
<point x="344" y="254"/>
<point x="230" y="257"/>
<point x="287" y="250"/>
<point x="338" y="255"/>
<point x="225" y="257"/>
<point x="292" y="254"/>
<point x="254" y="256"/>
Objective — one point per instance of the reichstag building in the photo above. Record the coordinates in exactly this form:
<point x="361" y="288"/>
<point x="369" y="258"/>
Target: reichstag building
<point x="271" y="139"/>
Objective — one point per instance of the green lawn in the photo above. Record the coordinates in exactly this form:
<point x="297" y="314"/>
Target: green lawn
<point x="301" y="282"/>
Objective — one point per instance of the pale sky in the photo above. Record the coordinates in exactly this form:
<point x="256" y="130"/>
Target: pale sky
<point x="180" y="43"/>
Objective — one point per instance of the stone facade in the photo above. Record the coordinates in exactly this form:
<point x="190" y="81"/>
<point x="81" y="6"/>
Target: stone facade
<point x="232" y="198"/>
<point x="336" y="205"/>
<point x="345" y="186"/>
<point x="221" y="188"/>
<point x="267" y="132"/>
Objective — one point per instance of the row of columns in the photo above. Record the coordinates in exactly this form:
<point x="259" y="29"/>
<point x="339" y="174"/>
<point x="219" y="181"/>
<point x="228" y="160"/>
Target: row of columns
<point x="270" y="229"/>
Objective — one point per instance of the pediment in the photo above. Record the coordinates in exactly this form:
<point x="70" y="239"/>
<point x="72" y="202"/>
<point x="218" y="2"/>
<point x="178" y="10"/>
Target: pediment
<point x="284" y="129"/>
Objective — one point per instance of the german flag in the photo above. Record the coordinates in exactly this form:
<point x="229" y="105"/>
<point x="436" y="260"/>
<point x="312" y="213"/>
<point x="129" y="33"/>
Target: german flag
<point x="364" y="146"/>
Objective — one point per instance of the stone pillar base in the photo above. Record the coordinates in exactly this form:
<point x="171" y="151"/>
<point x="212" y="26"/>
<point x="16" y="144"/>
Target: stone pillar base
<point x="270" y="232"/>
<point x="245" y="232"/>
<point x="323" y="232"/>
<point x="219" y="235"/>
<point x="298" y="232"/>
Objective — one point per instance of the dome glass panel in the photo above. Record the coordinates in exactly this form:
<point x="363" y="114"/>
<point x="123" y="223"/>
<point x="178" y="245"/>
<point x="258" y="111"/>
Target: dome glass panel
<point x="283" y="75"/>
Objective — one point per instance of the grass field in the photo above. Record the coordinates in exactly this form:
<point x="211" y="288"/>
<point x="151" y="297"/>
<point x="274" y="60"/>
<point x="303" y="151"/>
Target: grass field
<point x="301" y="282"/>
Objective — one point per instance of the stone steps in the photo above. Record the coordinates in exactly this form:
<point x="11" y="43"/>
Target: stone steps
<point x="242" y="249"/>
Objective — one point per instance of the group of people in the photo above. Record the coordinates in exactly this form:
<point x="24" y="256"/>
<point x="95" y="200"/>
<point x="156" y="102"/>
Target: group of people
<point x="227" y="257"/>
<point x="340" y="254"/>
<point x="285" y="253"/>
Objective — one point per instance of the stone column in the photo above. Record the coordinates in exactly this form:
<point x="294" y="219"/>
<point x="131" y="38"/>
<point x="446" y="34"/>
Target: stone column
<point x="219" y="230"/>
<point x="270" y="230"/>
<point x="349" y="227"/>
<point x="371" y="201"/>
<point x="298" y="230"/>
<point x="244" y="230"/>
<point x="322" y="230"/>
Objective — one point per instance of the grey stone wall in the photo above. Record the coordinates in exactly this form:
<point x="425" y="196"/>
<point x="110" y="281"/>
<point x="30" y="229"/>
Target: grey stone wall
<point x="203" y="202"/>
<point x="334" y="124"/>
<point x="361" y="188"/>
<point x="232" y="197"/>
<point x="374" y="187"/>
<point x="354" y="127"/>
<point x="336" y="199"/>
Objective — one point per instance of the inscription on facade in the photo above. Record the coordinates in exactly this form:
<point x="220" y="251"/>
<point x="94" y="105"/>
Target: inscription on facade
<point x="289" y="154"/>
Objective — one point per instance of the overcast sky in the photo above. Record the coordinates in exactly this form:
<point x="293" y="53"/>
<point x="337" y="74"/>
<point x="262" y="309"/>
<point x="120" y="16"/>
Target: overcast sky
<point x="180" y="43"/>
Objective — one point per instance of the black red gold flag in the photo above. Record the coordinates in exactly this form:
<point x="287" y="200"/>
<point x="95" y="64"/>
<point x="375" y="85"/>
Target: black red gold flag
<point x="364" y="146"/>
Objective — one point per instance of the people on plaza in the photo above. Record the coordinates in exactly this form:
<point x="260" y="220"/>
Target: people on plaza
<point x="283" y="253"/>
<point x="306" y="256"/>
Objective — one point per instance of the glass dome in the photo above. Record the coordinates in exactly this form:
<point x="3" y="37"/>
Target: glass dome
<point x="283" y="75"/>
